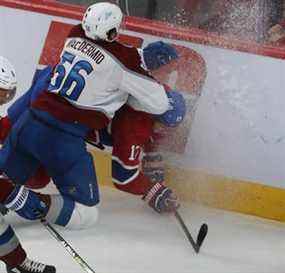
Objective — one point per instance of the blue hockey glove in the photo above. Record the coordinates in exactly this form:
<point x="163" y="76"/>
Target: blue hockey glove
<point x="157" y="54"/>
<point x="161" y="199"/>
<point x="177" y="111"/>
<point x="26" y="203"/>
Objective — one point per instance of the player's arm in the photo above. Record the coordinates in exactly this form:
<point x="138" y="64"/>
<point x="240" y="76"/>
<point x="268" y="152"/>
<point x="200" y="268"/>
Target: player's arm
<point x="14" y="112"/>
<point x="151" y="57"/>
<point x="132" y="180"/>
<point x="149" y="95"/>
<point x="40" y="83"/>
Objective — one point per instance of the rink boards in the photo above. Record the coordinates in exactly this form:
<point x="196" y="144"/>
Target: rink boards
<point x="213" y="190"/>
<point x="230" y="151"/>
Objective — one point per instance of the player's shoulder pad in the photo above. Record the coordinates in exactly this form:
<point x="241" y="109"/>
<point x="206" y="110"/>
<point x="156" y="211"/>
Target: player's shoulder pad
<point x="127" y="55"/>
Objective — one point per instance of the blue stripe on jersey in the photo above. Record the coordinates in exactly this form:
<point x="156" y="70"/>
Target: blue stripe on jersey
<point x="66" y="212"/>
<point x="120" y="173"/>
<point x="6" y="236"/>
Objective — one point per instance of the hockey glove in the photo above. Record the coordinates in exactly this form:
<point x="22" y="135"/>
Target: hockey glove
<point x="161" y="199"/>
<point x="157" y="54"/>
<point x="26" y="203"/>
<point x="175" y="115"/>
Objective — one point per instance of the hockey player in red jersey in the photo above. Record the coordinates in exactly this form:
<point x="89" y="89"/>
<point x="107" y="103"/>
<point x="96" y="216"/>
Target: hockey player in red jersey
<point x="11" y="251"/>
<point x="94" y="78"/>
<point x="129" y="133"/>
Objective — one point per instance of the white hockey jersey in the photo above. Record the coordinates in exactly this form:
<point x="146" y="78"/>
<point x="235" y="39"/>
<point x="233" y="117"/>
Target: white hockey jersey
<point x="101" y="76"/>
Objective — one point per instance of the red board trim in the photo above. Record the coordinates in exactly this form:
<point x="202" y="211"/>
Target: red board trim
<point x="157" y="28"/>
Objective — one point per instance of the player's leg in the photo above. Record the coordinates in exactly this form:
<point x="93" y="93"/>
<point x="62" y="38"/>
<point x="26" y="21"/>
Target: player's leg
<point x="73" y="208"/>
<point x="130" y="131"/>
<point x="72" y="170"/>
<point x="76" y="207"/>
<point x="11" y="251"/>
<point x="79" y="182"/>
<point x="153" y="162"/>
<point x="14" y="256"/>
<point x="18" y="164"/>
<point x="70" y="214"/>
<point x="65" y="157"/>
<point x="15" y="160"/>
<point x="39" y="180"/>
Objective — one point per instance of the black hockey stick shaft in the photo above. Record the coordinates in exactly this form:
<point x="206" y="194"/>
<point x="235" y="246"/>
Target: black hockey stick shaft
<point x="67" y="247"/>
<point x="201" y="235"/>
<point x="186" y="231"/>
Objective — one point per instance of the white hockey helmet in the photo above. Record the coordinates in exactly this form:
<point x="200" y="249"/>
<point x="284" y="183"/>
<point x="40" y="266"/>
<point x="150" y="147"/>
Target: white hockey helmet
<point x="8" y="81"/>
<point x="102" y="21"/>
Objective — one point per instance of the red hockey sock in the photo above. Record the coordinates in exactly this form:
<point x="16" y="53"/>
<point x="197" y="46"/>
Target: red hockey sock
<point x="15" y="258"/>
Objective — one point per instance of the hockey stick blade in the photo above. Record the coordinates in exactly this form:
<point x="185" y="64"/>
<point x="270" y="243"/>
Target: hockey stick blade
<point x="201" y="235"/>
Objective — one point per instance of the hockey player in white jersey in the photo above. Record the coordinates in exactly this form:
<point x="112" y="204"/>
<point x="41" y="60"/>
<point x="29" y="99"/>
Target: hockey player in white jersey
<point x="11" y="251"/>
<point x="94" y="78"/>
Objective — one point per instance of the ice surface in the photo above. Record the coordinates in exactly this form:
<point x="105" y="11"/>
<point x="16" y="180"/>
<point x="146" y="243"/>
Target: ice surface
<point x="130" y="238"/>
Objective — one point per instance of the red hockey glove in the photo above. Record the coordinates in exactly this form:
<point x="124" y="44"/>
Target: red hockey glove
<point x="161" y="198"/>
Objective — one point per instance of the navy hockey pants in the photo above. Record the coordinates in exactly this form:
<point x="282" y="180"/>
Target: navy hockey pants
<point x="39" y="139"/>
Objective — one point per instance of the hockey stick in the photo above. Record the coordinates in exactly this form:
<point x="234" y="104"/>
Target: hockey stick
<point x="202" y="231"/>
<point x="67" y="247"/>
<point x="201" y="234"/>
